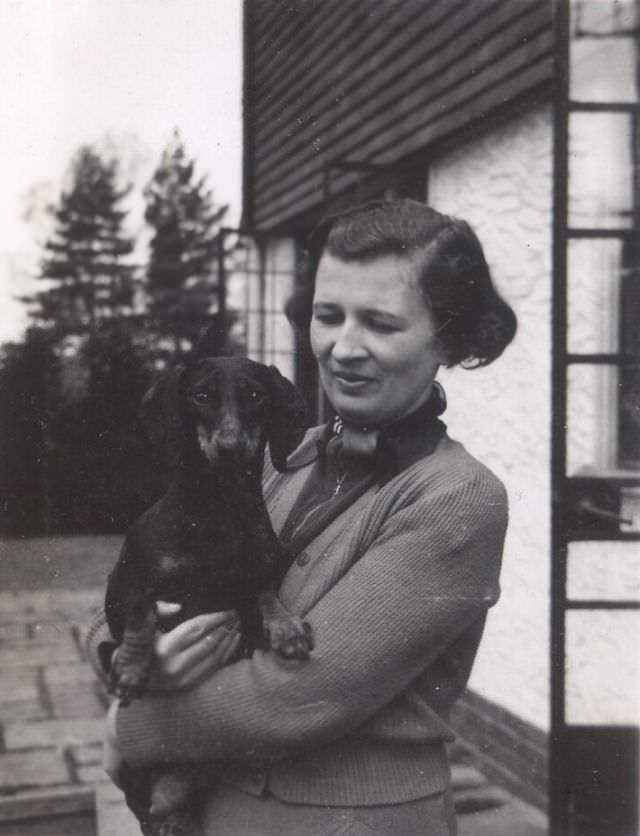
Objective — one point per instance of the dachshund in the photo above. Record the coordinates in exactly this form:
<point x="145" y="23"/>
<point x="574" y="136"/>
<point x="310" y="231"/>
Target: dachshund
<point x="207" y="544"/>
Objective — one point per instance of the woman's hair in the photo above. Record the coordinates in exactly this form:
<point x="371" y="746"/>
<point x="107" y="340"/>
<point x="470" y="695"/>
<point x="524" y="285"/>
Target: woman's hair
<point x="474" y="323"/>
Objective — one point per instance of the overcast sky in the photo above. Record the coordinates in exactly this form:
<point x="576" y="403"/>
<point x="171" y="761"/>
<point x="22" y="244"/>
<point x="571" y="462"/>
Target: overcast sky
<point x="74" y="71"/>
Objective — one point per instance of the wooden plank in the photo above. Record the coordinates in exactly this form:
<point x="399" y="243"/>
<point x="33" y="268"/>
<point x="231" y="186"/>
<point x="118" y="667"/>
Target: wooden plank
<point x="266" y="14"/>
<point x="359" y="34"/>
<point x="272" y="212"/>
<point x="364" y="132"/>
<point x="416" y="80"/>
<point x="363" y="55"/>
<point x="303" y="52"/>
<point x="393" y="148"/>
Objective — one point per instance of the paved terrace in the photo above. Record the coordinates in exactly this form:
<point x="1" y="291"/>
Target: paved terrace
<point x="51" y="710"/>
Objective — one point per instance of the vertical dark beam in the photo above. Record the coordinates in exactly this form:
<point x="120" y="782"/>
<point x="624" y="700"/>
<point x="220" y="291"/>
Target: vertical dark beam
<point x="222" y="276"/>
<point x="558" y="789"/>
<point x="248" y="88"/>
<point x="262" y="297"/>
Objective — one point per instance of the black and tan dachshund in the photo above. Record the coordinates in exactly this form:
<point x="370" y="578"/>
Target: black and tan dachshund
<point x="207" y="544"/>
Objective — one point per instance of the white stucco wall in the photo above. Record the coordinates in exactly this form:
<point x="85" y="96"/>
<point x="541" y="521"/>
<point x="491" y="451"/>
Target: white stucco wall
<point x="501" y="184"/>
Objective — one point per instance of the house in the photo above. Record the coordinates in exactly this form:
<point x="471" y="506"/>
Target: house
<point x="520" y="116"/>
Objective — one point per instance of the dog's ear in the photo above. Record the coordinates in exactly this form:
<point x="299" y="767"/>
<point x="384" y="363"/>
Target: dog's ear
<point x="287" y="422"/>
<point x="161" y="413"/>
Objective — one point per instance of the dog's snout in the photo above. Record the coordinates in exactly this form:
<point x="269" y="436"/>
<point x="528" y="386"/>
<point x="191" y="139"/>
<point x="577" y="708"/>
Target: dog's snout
<point x="229" y="435"/>
<point x="228" y="442"/>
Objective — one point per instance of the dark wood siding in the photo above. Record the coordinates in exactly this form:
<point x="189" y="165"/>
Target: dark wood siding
<point x="374" y="81"/>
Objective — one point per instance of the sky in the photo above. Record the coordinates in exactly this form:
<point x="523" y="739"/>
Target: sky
<point x="118" y="74"/>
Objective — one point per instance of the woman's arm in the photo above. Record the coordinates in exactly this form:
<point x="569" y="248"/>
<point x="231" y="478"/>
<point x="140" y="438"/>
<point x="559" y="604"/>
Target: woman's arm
<point x="425" y="580"/>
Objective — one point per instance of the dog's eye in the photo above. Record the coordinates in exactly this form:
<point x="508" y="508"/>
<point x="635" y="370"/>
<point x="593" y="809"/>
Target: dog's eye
<point x="201" y="397"/>
<point x="256" y="397"/>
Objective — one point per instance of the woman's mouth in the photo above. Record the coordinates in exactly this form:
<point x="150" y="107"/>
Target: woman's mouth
<point x="349" y="382"/>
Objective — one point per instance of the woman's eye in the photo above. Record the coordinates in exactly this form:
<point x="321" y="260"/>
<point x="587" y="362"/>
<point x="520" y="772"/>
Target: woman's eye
<point x="327" y="318"/>
<point x="382" y="326"/>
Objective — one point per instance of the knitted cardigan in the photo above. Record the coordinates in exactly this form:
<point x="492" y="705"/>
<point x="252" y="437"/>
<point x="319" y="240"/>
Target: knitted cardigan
<point x="396" y="589"/>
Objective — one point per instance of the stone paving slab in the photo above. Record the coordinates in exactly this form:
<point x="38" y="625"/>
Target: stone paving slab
<point x="17" y="685"/>
<point x="37" y="656"/>
<point x="22" y="710"/>
<point x="49" y="804"/>
<point x="69" y="701"/>
<point x="71" y="604"/>
<point x="86" y="755"/>
<point x="47" y="633"/>
<point x="70" y="673"/>
<point x="48" y="733"/>
<point x="483" y="797"/>
<point x="51" y="714"/>
<point x="20" y="769"/>
<point x="12" y="631"/>
<point x="52" y="710"/>
<point x="514" y="818"/>
<point x="464" y="777"/>
<point x="113" y="817"/>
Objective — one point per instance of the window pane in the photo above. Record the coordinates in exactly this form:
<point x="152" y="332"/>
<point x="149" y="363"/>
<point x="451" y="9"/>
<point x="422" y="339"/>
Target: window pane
<point x="258" y="284"/>
<point x="600" y="170"/>
<point x="603" y="68"/>
<point x="602" y="667"/>
<point x="606" y="570"/>
<point x="593" y="282"/>
<point x="592" y="398"/>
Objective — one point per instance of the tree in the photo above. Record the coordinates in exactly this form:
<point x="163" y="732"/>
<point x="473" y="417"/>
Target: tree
<point x="85" y="262"/>
<point x="29" y="383"/>
<point x="182" y="281"/>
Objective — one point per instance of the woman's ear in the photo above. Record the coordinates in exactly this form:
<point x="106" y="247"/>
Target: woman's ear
<point x="287" y="422"/>
<point x="162" y="415"/>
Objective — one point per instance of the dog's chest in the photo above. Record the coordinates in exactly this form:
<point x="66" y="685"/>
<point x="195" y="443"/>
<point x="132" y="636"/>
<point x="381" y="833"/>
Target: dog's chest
<point x="212" y="561"/>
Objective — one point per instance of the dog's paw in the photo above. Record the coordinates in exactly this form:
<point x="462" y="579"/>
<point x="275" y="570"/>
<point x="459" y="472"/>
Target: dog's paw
<point x="127" y="681"/>
<point x="291" y="637"/>
<point x="175" y="824"/>
<point x="171" y="789"/>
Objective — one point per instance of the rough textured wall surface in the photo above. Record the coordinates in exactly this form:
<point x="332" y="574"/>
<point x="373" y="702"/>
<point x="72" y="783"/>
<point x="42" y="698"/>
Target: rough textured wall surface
<point x="501" y="184"/>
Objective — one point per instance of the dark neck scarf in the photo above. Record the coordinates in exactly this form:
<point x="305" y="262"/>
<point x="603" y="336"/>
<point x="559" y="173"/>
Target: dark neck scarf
<point x="351" y="460"/>
<point x="390" y="449"/>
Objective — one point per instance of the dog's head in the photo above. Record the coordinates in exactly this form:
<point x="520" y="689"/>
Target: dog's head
<point x="225" y="410"/>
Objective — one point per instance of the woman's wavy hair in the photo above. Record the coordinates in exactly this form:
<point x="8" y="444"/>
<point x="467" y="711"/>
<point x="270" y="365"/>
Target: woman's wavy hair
<point x="474" y="323"/>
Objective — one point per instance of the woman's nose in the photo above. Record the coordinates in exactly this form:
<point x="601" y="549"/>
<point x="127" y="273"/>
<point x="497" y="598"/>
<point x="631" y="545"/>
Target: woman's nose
<point x="348" y="344"/>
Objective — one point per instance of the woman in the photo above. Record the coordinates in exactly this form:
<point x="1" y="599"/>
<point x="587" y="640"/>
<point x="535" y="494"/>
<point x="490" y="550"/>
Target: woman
<point x="398" y="535"/>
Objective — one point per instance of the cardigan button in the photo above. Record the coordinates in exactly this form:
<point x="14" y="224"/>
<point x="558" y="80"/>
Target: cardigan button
<point x="303" y="558"/>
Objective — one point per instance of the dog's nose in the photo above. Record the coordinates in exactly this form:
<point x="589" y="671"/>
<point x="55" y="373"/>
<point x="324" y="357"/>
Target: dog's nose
<point x="227" y="443"/>
<point x="228" y="438"/>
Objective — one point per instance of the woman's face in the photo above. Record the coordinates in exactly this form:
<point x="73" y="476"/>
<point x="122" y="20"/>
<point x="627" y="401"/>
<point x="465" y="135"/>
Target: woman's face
<point x="374" y="339"/>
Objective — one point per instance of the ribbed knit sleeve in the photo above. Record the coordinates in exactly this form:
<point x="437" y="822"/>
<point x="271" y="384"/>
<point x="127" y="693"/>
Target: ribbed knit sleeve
<point x="428" y="573"/>
<point x="99" y="645"/>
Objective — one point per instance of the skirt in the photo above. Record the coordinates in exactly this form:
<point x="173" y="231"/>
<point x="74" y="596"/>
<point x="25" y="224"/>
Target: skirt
<point x="231" y="812"/>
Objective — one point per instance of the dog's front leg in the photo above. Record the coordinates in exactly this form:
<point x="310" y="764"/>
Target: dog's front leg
<point x="286" y="633"/>
<point x="132" y="662"/>
<point x="165" y="800"/>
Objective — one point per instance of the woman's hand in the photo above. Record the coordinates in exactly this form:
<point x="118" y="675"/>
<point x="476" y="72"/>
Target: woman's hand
<point x="192" y="651"/>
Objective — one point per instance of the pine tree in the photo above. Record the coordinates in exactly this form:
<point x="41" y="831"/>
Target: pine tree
<point x="86" y="259"/>
<point x="182" y="281"/>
